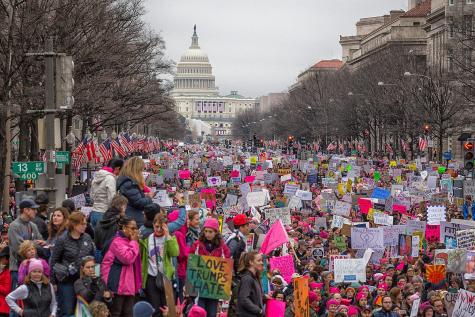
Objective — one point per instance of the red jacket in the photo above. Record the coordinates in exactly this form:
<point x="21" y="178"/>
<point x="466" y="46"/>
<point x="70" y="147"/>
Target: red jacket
<point x="217" y="252"/>
<point x="5" y="288"/>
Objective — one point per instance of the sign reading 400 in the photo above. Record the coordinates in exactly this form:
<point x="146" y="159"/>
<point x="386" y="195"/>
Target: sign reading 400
<point x="28" y="170"/>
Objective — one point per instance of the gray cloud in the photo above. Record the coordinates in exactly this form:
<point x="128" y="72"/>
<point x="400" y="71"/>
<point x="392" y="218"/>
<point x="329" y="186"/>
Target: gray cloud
<point x="259" y="46"/>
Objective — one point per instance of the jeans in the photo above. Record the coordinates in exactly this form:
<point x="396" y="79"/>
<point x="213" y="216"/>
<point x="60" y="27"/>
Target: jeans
<point x="122" y="306"/>
<point x="66" y="298"/>
<point x="156" y="298"/>
<point x="14" y="278"/>
<point x="210" y="305"/>
<point x="179" y="292"/>
<point x="95" y="217"/>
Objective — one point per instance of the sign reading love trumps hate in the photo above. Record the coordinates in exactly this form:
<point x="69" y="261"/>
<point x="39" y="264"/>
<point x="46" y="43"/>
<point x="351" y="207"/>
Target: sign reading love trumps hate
<point x="209" y="276"/>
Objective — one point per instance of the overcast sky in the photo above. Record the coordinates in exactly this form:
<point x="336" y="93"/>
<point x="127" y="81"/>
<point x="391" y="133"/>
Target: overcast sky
<point x="260" y="46"/>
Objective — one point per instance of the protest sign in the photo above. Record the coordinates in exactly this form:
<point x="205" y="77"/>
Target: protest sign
<point x="278" y="213"/>
<point x="342" y="208"/>
<point x="435" y="214"/>
<point x="391" y="235"/>
<point x="286" y="178"/>
<point x="405" y="245"/>
<point x="415" y="307"/>
<point x="210" y="276"/>
<point x="380" y="193"/>
<point x="465" y="304"/>
<point x="161" y="198"/>
<point x="363" y="238"/>
<point x="338" y="221"/>
<point x="435" y="273"/>
<point x="245" y="189"/>
<point x="285" y="264"/>
<point x="448" y="232"/>
<point x="79" y="200"/>
<point x="301" y="302"/>
<point x="303" y="195"/>
<point x="449" y="301"/>
<point x="86" y="211"/>
<point x="275" y="308"/>
<point x="466" y="238"/>
<point x="231" y="200"/>
<point x="290" y="189"/>
<point x="415" y="225"/>
<point x="349" y="270"/>
<point x="469" y="188"/>
<point x="470" y="266"/>
<point x="318" y="253"/>
<point x="432" y="233"/>
<point x="333" y="257"/>
<point x="415" y="246"/>
<point x="365" y="205"/>
<point x="383" y="219"/>
<point x="456" y="260"/>
<point x="294" y="203"/>
<point x="321" y="222"/>
<point x="256" y="199"/>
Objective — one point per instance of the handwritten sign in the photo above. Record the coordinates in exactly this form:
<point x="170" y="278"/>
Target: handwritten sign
<point x="256" y="199"/>
<point x="210" y="276"/>
<point x="391" y="235"/>
<point x="465" y="304"/>
<point x="279" y="213"/>
<point x="290" y="189"/>
<point x="214" y="181"/>
<point x="435" y="214"/>
<point x="448" y="232"/>
<point x="350" y="270"/>
<point x="466" y="238"/>
<point x="363" y="238"/>
<point x="383" y="219"/>
<point x="333" y="257"/>
<point x="285" y="265"/>
<point x="303" y="195"/>
<point x="342" y="208"/>
<point x="301" y="302"/>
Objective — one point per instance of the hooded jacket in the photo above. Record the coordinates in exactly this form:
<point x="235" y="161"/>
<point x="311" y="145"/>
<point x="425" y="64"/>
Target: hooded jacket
<point x="136" y="196"/>
<point x="106" y="228"/>
<point x="250" y="298"/>
<point x="103" y="189"/>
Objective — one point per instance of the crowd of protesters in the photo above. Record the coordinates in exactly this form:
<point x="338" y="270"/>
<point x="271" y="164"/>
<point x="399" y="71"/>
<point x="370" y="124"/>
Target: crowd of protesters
<point x="118" y="258"/>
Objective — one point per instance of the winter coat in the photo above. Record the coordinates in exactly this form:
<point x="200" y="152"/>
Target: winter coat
<point x="103" y="189"/>
<point x="106" y="228"/>
<point x="182" y="257"/>
<point x="90" y="289"/>
<point x="19" y="231"/>
<point x="171" y="250"/>
<point x="217" y="252"/>
<point x="5" y="287"/>
<point x="384" y="313"/>
<point x="137" y="199"/>
<point x="120" y="268"/>
<point x="39" y="300"/>
<point x="67" y="251"/>
<point x="250" y="298"/>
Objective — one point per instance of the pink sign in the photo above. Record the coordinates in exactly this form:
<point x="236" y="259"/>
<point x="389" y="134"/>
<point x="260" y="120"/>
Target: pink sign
<point x="250" y="179"/>
<point x="235" y="174"/>
<point x="275" y="308"/>
<point x="400" y="208"/>
<point x="365" y="205"/>
<point x="285" y="265"/>
<point x="184" y="174"/>
<point x="433" y="233"/>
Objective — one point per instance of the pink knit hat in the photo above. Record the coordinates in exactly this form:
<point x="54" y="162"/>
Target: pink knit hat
<point x="35" y="264"/>
<point x="334" y="290"/>
<point x="332" y="302"/>
<point x="352" y="311"/>
<point x="360" y="296"/>
<point x="212" y="223"/>
<point x="197" y="311"/>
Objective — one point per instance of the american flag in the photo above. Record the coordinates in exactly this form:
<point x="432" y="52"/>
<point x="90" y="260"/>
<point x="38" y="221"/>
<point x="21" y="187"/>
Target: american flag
<point x="106" y="151"/>
<point x="389" y="148"/>
<point x="361" y="148"/>
<point x="118" y="148"/>
<point x="341" y="147"/>
<point x="81" y="147"/>
<point x="315" y="146"/>
<point x="91" y="150"/>
<point x="422" y="144"/>
<point x="126" y="142"/>
<point x="405" y="146"/>
<point x="331" y="146"/>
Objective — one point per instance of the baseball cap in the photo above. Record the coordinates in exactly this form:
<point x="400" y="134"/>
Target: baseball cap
<point x="240" y="220"/>
<point x="28" y="203"/>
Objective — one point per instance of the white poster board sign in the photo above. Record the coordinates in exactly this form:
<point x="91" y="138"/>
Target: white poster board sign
<point x="350" y="270"/>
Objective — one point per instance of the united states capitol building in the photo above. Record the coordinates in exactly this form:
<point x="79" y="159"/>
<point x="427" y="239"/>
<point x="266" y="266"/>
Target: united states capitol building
<point x="197" y="98"/>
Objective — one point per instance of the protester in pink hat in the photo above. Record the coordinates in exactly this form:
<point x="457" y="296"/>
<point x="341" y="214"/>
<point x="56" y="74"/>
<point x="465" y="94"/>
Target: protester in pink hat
<point x="332" y="306"/>
<point x="210" y="243"/>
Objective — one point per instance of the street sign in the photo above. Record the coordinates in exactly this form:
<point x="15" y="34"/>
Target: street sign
<point x="447" y="155"/>
<point x="62" y="157"/>
<point x="28" y="170"/>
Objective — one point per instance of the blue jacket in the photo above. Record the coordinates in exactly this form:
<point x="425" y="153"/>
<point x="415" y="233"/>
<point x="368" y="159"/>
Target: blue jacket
<point x="136" y="197"/>
<point x="383" y="313"/>
<point x="466" y="213"/>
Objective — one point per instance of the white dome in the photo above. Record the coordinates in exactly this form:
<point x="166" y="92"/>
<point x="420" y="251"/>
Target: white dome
<point x="194" y="55"/>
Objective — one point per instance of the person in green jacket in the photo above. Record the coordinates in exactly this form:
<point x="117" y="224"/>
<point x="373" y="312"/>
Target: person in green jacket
<point x="156" y="252"/>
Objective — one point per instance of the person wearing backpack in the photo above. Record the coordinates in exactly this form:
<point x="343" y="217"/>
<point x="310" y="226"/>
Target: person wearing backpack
<point x="237" y="241"/>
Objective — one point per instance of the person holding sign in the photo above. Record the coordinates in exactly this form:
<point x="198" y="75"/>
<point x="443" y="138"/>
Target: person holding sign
<point x="210" y="243"/>
<point x="250" y="298"/>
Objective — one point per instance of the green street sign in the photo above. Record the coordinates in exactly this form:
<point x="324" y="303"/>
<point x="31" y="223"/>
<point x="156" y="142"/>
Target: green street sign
<point x="28" y="170"/>
<point x="62" y="157"/>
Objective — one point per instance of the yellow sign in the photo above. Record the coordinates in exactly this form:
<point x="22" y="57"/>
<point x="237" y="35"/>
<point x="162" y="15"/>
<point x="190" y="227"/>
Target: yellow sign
<point x="412" y="166"/>
<point x="371" y="214"/>
<point x="349" y="186"/>
<point x="253" y="160"/>
<point x="392" y="164"/>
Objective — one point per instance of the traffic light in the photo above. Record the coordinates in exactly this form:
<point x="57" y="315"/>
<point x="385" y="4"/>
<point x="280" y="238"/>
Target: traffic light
<point x="426" y="129"/>
<point x="291" y="141"/>
<point x="468" y="154"/>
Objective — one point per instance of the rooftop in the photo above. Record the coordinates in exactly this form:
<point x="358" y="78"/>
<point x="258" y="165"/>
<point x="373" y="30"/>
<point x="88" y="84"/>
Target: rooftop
<point x="332" y="63"/>
<point x="421" y="11"/>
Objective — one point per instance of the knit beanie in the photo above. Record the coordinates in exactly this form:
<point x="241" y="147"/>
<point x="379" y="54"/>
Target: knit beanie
<point x="35" y="264"/>
<point x="143" y="309"/>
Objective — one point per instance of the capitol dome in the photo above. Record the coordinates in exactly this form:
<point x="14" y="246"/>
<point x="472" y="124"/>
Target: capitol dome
<point x="194" y="73"/>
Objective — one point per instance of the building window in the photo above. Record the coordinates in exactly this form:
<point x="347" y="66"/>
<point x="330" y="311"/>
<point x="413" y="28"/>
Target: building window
<point x="467" y="25"/>
<point x="450" y="23"/>
<point x="451" y="2"/>
<point x="469" y="1"/>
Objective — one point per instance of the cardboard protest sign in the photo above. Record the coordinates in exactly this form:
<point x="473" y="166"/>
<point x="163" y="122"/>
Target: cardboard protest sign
<point x="209" y="276"/>
<point x="435" y="214"/>
<point x="301" y="302"/>
<point x="449" y="301"/>
<point x="161" y="198"/>
<point x="349" y="270"/>
<point x="466" y="238"/>
<point x="303" y="195"/>
<point x="333" y="257"/>
<point x="465" y="304"/>
<point x="279" y="213"/>
<point x="435" y="273"/>
<point x="432" y="233"/>
<point x="383" y="219"/>
<point x="391" y="235"/>
<point x="285" y="264"/>
<point x="342" y="208"/>
<point x="256" y="199"/>
<point x="363" y="238"/>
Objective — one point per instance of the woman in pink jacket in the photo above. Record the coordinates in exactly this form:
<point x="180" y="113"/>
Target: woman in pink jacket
<point x="182" y="258"/>
<point x="121" y="269"/>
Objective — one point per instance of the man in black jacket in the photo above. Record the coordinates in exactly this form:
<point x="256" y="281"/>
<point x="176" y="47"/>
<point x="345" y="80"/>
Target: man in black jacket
<point x="237" y="241"/>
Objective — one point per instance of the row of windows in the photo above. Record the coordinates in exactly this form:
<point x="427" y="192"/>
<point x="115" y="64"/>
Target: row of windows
<point x="465" y="27"/>
<point x="194" y="70"/>
<point x="452" y="2"/>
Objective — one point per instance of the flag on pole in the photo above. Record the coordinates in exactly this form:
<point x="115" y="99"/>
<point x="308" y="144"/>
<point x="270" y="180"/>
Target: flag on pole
<point x="405" y="145"/>
<point x="106" y="151"/>
<point x="82" y="308"/>
<point x="275" y="237"/>
<point x="90" y="150"/>
<point x="126" y="142"/>
<point x="422" y="144"/>
<point x="389" y="148"/>
<point x="118" y="148"/>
